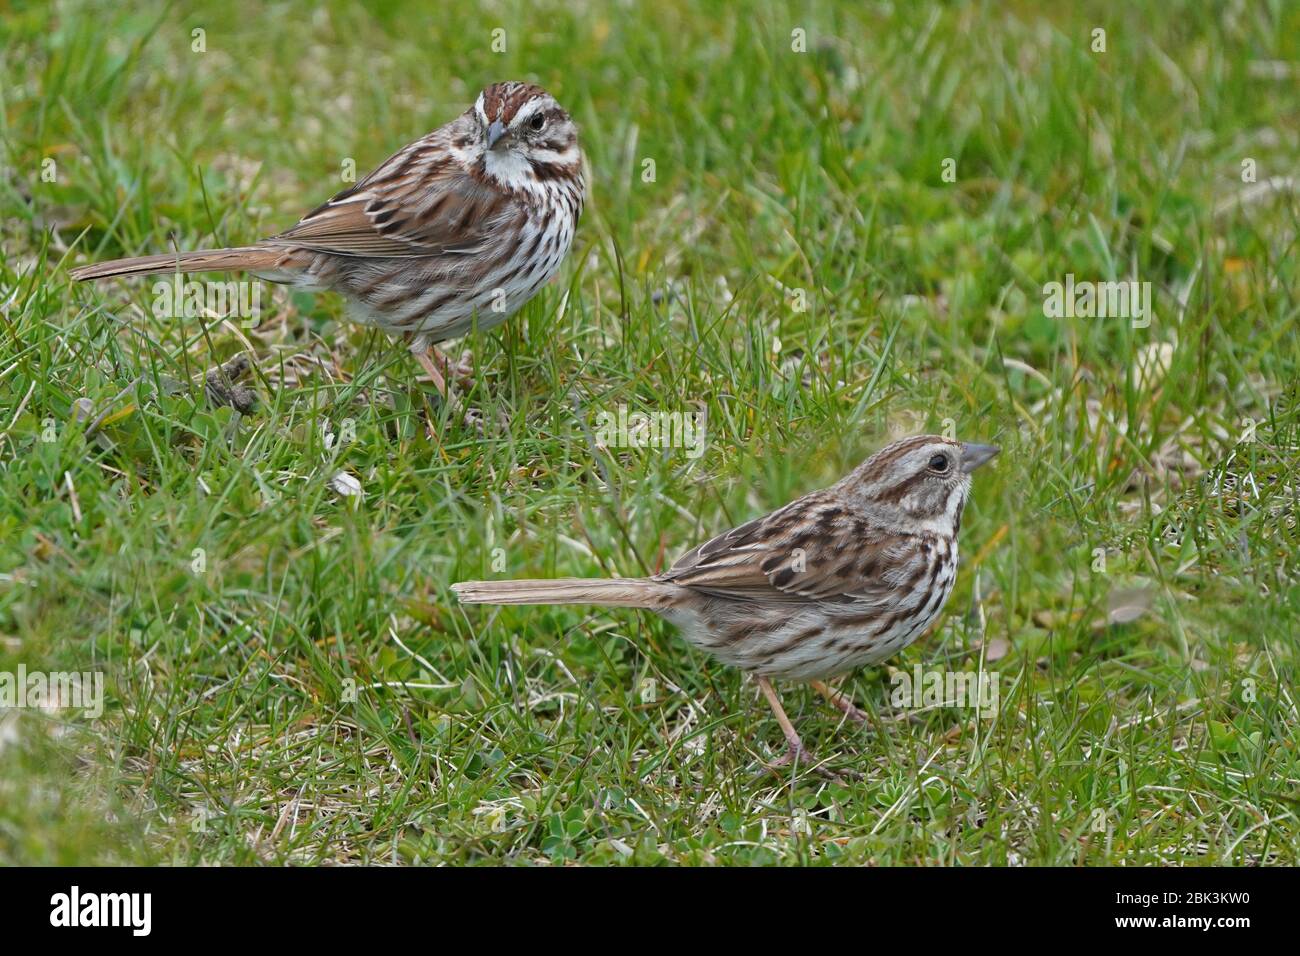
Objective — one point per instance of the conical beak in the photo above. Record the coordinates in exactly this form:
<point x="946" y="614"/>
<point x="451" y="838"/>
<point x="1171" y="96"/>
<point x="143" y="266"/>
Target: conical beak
<point x="972" y="456"/>
<point x="495" y="131"/>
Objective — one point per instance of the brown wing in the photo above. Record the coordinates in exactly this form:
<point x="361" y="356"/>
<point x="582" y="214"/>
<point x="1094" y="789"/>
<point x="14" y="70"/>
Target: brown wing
<point x="810" y="550"/>
<point x="419" y="202"/>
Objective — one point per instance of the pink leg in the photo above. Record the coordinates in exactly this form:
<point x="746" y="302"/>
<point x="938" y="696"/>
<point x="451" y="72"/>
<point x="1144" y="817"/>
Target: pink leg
<point x="795" y="749"/>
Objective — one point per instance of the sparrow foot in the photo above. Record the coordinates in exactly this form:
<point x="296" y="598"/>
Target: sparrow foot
<point x="440" y="368"/>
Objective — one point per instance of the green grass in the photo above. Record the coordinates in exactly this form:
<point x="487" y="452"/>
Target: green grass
<point x="313" y="694"/>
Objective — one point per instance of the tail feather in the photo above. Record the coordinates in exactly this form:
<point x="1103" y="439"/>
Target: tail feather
<point x="609" y="592"/>
<point x="243" y="258"/>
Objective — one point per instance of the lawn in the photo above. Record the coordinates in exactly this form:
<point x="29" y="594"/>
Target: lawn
<point x="820" y="225"/>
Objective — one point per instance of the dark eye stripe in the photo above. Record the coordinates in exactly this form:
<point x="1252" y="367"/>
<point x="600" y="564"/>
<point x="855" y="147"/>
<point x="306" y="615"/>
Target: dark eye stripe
<point x="559" y="145"/>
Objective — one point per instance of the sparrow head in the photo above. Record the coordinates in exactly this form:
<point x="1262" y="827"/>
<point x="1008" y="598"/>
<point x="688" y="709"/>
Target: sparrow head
<point x="918" y="483"/>
<point x="525" y="136"/>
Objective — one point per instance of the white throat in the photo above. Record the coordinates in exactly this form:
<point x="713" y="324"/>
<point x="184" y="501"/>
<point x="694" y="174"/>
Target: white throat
<point x="509" y="168"/>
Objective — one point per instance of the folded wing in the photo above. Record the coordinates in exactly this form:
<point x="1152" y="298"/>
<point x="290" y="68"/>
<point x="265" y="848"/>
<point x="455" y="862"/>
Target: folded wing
<point x="809" y="551"/>
<point x="419" y="202"/>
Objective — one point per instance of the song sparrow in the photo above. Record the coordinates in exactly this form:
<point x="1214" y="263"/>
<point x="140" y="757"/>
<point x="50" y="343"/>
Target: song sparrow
<point x="837" y="579"/>
<point x="461" y="226"/>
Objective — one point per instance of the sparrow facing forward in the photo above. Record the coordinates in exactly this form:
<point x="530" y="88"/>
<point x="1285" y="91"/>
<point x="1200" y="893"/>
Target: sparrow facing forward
<point x="840" y="578"/>
<point x="460" y="227"/>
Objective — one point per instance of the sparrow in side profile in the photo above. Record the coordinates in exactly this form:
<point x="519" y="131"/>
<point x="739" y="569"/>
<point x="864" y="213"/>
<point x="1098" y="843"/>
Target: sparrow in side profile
<point x="838" y="579"/>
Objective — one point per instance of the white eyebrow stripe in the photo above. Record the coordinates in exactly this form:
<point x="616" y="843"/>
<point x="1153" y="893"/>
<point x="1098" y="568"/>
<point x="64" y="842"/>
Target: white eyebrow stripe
<point x="479" y="109"/>
<point x="531" y="107"/>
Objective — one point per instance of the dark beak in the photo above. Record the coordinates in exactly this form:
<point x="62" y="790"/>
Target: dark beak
<point x="495" y="132"/>
<point x="972" y="456"/>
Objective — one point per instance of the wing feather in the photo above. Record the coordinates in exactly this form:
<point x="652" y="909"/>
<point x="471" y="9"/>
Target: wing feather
<point x="809" y="551"/>
<point x="419" y="202"/>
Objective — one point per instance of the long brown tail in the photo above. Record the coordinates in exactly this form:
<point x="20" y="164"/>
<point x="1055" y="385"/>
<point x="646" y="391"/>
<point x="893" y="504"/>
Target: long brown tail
<point x="609" y="592"/>
<point x="204" y="260"/>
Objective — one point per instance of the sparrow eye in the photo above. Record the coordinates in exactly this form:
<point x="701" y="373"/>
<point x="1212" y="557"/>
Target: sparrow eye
<point x="537" y="123"/>
<point x="939" y="463"/>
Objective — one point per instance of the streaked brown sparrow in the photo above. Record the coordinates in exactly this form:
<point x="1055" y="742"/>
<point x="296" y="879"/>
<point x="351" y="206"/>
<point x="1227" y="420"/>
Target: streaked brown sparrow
<point x="840" y="578"/>
<point x="460" y="227"/>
